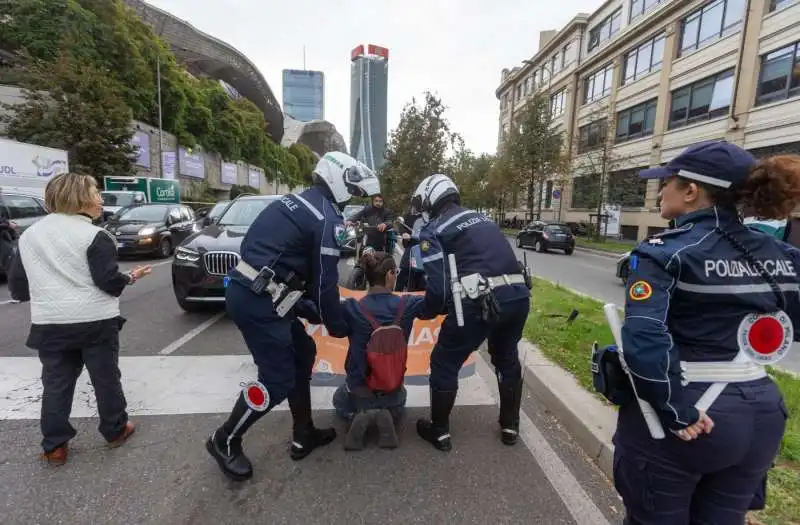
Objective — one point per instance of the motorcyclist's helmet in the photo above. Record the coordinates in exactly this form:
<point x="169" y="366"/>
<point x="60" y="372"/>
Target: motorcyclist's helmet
<point x="430" y="191"/>
<point x="345" y="177"/>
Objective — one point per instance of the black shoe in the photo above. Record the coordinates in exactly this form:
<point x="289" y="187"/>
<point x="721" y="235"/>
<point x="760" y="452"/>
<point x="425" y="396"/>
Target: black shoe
<point x="510" y="399"/>
<point x="356" y="434"/>
<point x="387" y="435"/>
<point x="225" y="444"/>
<point x="229" y="455"/>
<point x="437" y="430"/>
<point x="304" y="441"/>
<point x="305" y="436"/>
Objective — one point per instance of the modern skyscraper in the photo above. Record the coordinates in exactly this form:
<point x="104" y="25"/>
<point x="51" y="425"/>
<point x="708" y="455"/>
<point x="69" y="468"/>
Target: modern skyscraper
<point x="368" y="106"/>
<point x="304" y="94"/>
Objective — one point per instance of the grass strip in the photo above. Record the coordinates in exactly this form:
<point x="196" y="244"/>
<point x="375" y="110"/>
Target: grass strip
<point x="569" y="345"/>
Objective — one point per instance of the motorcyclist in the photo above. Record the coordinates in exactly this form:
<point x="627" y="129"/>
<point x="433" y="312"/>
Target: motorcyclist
<point x="408" y="280"/>
<point x="377" y="216"/>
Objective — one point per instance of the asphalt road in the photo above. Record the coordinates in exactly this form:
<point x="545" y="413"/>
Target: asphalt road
<point x="181" y="373"/>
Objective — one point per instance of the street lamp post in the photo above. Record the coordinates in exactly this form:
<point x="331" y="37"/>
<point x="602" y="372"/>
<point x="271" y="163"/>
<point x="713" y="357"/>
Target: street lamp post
<point x="160" y="127"/>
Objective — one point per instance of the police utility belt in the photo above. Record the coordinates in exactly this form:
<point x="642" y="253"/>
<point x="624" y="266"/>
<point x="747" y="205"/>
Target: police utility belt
<point x="284" y="294"/>
<point x="478" y="288"/>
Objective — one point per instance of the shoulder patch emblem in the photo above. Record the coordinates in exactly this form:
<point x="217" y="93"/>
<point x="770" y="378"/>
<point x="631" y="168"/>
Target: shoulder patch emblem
<point x="340" y="233"/>
<point x="424" y="246"/>
<point x="640" y="290"/>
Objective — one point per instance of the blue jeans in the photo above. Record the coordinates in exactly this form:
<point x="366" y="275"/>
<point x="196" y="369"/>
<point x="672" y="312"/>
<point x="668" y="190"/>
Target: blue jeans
<point x="395" y="402"/>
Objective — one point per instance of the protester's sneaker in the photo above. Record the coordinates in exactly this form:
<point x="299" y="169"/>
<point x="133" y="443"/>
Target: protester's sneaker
<point x="387" y="435"/>
<point x="57" y="456"/>
<point x="358" y="430"/>
<point x="127" y="432"/>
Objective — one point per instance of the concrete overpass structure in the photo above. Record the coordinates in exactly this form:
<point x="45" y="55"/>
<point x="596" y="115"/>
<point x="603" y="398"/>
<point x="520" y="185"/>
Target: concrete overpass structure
<point x="204" y="55"/>
<point x="319" y="135"/>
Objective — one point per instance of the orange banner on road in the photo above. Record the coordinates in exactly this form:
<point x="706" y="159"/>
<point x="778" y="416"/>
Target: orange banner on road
<point x="332" y="351"/>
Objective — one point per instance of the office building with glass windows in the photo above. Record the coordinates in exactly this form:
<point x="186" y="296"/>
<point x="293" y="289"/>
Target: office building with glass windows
<point x="369" y="83"/>
<point x="304" y="94"/>
<point x="636" y="82"/>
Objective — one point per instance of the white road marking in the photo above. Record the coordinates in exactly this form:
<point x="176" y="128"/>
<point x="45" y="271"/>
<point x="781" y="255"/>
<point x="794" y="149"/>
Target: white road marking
<point x="579" y="504"/>
<point x="175" y="385"/>
<point x="191" y="334"/>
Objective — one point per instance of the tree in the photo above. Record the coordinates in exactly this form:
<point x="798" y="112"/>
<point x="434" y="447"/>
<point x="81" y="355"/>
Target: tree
<point x="603" y="175"/>
<point x="77" y="108"/>
<point x="500" y="186"/>
<point x="534" y="148"/>
<point x="417" y="148"/>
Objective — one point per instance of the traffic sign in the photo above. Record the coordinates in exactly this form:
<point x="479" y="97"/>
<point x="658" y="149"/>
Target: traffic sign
<point x="556" y="194"/>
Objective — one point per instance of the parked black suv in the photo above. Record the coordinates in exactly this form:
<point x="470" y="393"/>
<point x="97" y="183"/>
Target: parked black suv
<point x="151" y="228"/>
<point x="204" y="259"/>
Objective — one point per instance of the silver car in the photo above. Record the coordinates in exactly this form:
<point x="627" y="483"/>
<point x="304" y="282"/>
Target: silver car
<point x="21" y="210"/>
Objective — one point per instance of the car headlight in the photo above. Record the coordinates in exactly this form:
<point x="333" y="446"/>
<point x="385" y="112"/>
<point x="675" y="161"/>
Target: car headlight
<point x="185" y="254"/>
<point x="148" y="230"/>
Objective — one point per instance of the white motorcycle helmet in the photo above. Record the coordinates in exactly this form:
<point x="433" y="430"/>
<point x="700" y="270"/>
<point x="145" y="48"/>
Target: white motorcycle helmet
<point x="431" y="190"/>
<point x="346" y="177"/>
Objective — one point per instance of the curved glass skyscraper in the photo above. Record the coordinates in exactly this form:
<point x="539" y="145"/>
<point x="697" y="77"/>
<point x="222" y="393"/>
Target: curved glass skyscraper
<point x="368" y="105"/>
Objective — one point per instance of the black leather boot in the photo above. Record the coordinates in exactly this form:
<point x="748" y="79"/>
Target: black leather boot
<point x="437" y="430"/>
<point x="510" y="399"/>
<point x="225" y="444"/>
<point x="305" y="436"/>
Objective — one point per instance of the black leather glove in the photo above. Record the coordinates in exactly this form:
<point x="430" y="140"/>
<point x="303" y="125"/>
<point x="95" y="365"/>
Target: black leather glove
<point x="306" y="309"/>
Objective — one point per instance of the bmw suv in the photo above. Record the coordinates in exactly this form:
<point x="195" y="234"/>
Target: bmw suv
<point x="203" y="260"/>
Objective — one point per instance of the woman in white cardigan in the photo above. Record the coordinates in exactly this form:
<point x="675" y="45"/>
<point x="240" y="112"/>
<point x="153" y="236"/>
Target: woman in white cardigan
<point x="67" y="268"/>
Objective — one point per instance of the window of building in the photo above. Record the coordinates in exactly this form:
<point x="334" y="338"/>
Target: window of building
<point x="504" y="102"/>
<point x="598" y="84"/>
<point x="643" y="60"/>
<point x="705" y="99"/>
<point x="709" y="23"/>
<point x="780" y="75"/>
<point x="566" y="55"/>
<point x="605" y="29"/>
<point x="519" y="92"/>
<point x="640" y="7"/>
<point x="557" y="103"/>
<point x="637" y="121"/>
<point x="626" y="188"/>
<point x="555" y="64"/>
<point x="774" y="5"/>
<point x="592" y="135"/>
<point x="586" y="191"/>
<point x="535" y="79"/>
<point x="544" y="75"/>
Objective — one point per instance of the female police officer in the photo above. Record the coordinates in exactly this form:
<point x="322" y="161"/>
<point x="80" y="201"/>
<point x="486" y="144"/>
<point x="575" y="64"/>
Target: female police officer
<point x="708" y="302"/>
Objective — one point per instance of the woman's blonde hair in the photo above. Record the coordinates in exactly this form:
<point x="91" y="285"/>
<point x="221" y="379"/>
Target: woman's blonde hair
<point x="70" y="193"/>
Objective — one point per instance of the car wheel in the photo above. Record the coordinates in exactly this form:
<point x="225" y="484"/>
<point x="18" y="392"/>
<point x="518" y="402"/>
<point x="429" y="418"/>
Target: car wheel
<point x="569" y="251"/>
<point x="539" y="247"/>
<point x="165" y="248"/>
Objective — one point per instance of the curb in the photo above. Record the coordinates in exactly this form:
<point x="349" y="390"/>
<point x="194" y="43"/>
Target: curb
<point x="600" y="253"/>
<point x="587" y="419"/>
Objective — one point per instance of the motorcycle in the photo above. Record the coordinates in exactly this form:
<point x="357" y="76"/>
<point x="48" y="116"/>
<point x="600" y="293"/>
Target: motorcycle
<point x="357" y="280"/>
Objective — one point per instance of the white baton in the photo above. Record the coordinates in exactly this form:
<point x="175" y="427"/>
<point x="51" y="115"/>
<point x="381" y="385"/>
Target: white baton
<point x="455" y="286"/>
<point x="650" y="416"/>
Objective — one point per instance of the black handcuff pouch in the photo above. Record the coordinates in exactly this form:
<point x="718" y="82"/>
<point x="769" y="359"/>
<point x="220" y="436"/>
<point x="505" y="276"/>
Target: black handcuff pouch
<point x="608" y="377"/>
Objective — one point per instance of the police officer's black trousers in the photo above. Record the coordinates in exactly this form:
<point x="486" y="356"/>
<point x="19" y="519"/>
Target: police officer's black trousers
<point x="454" y="346"/>
<point x="282" y="351"/>
<point x="710" y="480"/>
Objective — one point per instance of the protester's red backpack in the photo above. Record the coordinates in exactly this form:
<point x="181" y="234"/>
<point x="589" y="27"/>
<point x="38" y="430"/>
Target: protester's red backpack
<point x="387" y="352"/>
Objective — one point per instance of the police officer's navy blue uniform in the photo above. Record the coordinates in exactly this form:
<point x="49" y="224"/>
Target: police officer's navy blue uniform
<point x="691" y="295"/>
<point x="480" y="247"/>
<point x="296" y="239"/>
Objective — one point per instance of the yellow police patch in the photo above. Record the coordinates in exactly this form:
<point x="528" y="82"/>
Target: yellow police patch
<point x="640" y="290"/>
<point x="424" y="245"/>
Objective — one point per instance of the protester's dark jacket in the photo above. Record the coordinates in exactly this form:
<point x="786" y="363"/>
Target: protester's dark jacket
<point x="383" y="307"/>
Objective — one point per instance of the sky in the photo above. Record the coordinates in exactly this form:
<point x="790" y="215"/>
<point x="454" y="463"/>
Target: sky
<point x="454" y="48"/>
